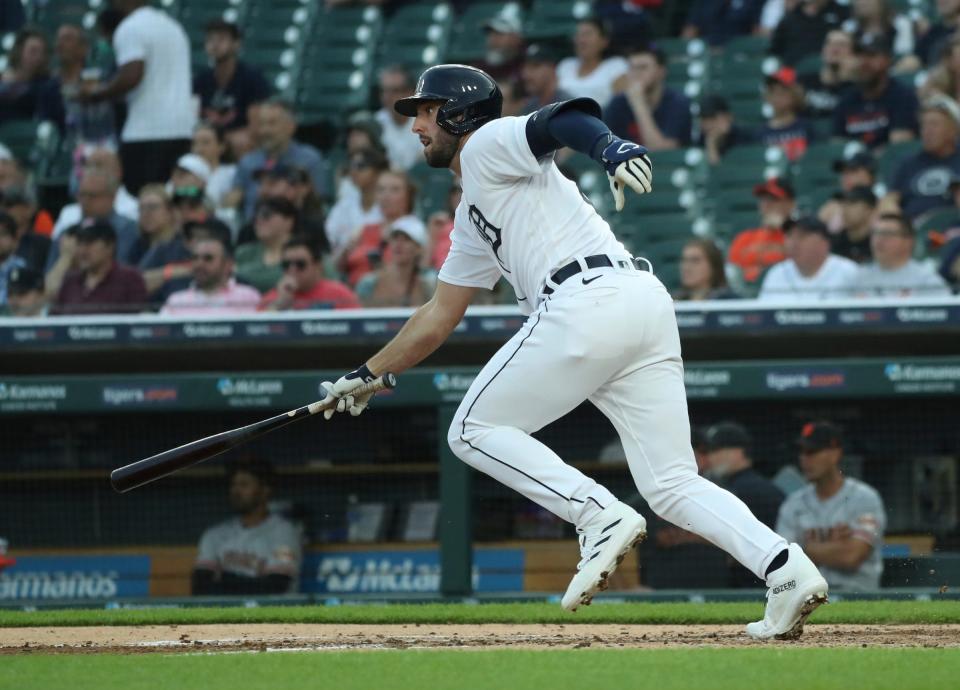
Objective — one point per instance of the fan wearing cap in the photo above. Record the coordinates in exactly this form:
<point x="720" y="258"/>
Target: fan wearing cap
<point x="539" y="76"/>
<point x="303" y="285"/>
<point x="858" y="207"/>
<point x="719" y="131"/>
<point x="399" y="281"/>
<point x="503" y="59"/>
<point x="402" y="145"/>
<point x="822" y="88"/>
<point x="810" y="273"/>
<point x="880" y="109"/>
<point x="755" y="250"/>
<point x="894" y="272"/>
<point x="838" y="520"/>
<point x="25" y="294"/>
<point x="803" y="29"/>
<point x="857" y="169"/>
<point x="786" y="129"/>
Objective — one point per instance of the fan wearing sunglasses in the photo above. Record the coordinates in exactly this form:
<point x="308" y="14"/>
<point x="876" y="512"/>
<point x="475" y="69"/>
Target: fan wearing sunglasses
<point x="303" y="285"/>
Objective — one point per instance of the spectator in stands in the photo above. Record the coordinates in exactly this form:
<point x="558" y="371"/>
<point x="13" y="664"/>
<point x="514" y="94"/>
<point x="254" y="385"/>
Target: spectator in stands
<point x="894" y="272"/>
<point x="230" y="87"/>
<point x="881" y="109"/>
<point x="880" y="17"/>
<point x="26" y="297"/>
<point x="803" y="29"/>
<point x="259" y="262"/>
<point x="592" y="73"/>
<point x="439" y="229"/>
<point x="294" y="185"/>
<point x="729" y="463"/>
<point x="400" y="281"/>
<point x="9" y="261"/>
<point x="702" y="275"/>
<point x="503" y="58"/>
<point x="786" y="128"/>
<point x="853" y="242"/>
<point x="190" y="205"/>
<point x="213" y="290"/>
<point x="933" y="37"/>
<point x="256" y="552"/>
<point x="209" y="143"/>
<point x="71" y="48"/>
<point x="274" y="129"/>
<point x="167" y="256"/>
<point x="717" y="21"/>
<point x="303" y="285"/>
<point x="755" y="250"/>
<point x="351" y="213"/>
<point x="190" y="171"/>
<point x="153" y="55"/>
<point x="124" y="203"/>
<point x="648" y="111"/>
<point x="838" y="67"/>
<point x="810" y="273"/>
<point x="944" y="77"/>
<point x="27" y="72"/>
<point x="859" y="169"/>
<point x="718" y="131"/>
<point x="10" y="173"/>
<point x="404" y="149"/>
<point x="921" y="182"/>
<point x="101" y="284"/>
<point x="363" y="131"/>
<point x="33" y="227"/>
<point x="838" y="520"/>
<point x="539" y="77"/>
<point x="949" y="268"/>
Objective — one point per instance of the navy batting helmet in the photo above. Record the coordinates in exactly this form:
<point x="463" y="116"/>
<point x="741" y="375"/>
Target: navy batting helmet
<point x="465" y="91"/>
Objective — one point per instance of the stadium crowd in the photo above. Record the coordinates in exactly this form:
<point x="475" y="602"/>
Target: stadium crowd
<point x="193" y="191"/>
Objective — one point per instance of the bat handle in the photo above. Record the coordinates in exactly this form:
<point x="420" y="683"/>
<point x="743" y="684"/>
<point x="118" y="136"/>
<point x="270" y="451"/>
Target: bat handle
<point x="385" y="382"/>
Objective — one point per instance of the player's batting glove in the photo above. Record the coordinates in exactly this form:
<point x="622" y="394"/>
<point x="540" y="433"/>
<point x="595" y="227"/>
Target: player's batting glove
<point x="341" y="391"/>
<point x="627" y="164"/>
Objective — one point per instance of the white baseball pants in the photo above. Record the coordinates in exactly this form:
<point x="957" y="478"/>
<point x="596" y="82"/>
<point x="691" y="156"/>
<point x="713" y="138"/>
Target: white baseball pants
<point x="614" y="342"/>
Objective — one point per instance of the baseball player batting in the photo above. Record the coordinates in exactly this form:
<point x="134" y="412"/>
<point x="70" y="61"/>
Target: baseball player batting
<point x="599" y="327"/>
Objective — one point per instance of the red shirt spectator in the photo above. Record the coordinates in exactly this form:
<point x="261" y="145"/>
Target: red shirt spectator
<point x="303" y="285"/>
<point x="757" y="249"/>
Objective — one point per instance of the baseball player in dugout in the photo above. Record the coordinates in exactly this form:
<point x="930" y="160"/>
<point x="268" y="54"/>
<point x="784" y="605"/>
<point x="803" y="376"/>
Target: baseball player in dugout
<point x="255" y="552"/>
<point x="600" y="326"/>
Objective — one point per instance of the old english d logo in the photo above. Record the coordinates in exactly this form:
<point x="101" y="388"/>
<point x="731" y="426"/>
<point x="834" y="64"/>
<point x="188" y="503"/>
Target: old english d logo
<point x="489" y="233"/>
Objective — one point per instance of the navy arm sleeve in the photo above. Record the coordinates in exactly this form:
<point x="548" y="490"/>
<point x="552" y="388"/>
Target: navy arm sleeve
<point x="575" y="123"/>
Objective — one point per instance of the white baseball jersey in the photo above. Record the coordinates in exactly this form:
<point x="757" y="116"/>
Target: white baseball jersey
<point x="518" y="216"/>
<point x="272" y="547"/>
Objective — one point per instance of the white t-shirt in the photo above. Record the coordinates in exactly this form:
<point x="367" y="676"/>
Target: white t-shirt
<point x="220" y="182"/>
<point x="519" y="217"/>
<point x="785" y="283"/>
<point x="913" y="279"/>
<point x="597" y="85"/>
<point x="125" y="204"/>
<point x="403" y="146"/>
<point x="161" y="106"/>
<point x="348" y="216"/>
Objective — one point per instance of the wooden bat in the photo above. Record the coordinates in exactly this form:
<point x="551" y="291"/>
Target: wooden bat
<point x="144" y="471"/>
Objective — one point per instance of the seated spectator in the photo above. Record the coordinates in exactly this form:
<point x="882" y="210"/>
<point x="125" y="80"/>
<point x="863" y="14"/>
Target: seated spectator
<point x="27" y="72"/>
<point x="190" y="205"/>
<point x="838" y="520"/>
<point x="648" y="111"/>
<point x="9" y="260"/>
<point x="351" y="213"/>
<point x="717" y="21"/>
<point x="921" y="182"/>
<point x="880" y="17"/>
<point x="294" y="185"/>
<point x="256" y="552"/>
<point x="503" y="58"/>
<point x="303" y="285"/>
<point x="718" y="131"/>
<point x="880" y="109"/>
<point x="803" y="29"/>
<point x="190" y="171"/>
<point x="729" y="463"/>
<point x="810" y="273"/>
<point x="33" y="227"/>
<point x="894" y="272"/>
<point x="101" y="284"/>
<point x="944" y="78"/>
<point x="10" y="173"/>
<point x="539" y="77"/>
<point x="209" y="143"/>
<point x="702" y="275"/>
<point x="786" y="129"/>
<point x="591" y="73"/>
<point x="859" y="206"/>
<point x="167" y="256"/>
<point x="949" y="263"/>
<point x="273" y="131"/>
<point x="213" y="290"/>
<point x="259" y="262"/>
<point x="399" y="281"/>
<point x="934" y="37"/>
<point x="71" y="47"/>
<point x="124" y="203"/>
<point x="439" y="229"/>
<point x="26" y="297"/>
<point x="755" y="250"/>
<point x="822" y="89"/>
<point x="857" y="170"/>
<point x="404" y="149"/>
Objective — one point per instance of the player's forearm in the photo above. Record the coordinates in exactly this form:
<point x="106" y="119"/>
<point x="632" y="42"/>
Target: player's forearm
<point x="841" y="554"/>
<point x="423" y="333"/>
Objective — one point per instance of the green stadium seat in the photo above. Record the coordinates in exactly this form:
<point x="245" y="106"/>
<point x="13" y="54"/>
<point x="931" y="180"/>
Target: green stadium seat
<point x="19" y="136"/>
<point x="728" y="224"/>
<point x="50" y="15"/>
<point x="467" y="38"/>
<point x="416" y="35"/>
<point x="555" y="19"/>
<point x="652" y="228"/>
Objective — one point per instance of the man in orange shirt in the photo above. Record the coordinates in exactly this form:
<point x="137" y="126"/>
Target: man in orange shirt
<point x="303" y="285"/>
<point x="755" y="250"/>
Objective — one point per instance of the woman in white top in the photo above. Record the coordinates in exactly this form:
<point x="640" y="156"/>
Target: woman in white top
<point x="589" y="74"/>
<point x="355" y="211"/>
<point x="209" y="144"/>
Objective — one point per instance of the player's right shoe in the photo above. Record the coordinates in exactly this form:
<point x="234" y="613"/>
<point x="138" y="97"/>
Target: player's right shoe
<point x="795" y="591"/>
<point x="604" y="543"/>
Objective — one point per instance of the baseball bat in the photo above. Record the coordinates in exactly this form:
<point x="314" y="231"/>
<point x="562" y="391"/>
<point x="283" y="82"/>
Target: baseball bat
<point x="144" y="471"/>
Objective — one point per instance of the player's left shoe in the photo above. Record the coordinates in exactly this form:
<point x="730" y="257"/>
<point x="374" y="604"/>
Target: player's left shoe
<point x="796" y="589"/>
<point x="604" y="543"/>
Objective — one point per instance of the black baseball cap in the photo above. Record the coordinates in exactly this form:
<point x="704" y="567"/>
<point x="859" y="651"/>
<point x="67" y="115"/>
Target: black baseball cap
<point x="97" y="230"/>
<point x="544" y="52"/>
<point x="861" y="159"/>
<point x="366" y="122"/>
<point x="278" y="204"/>
<point x="807" y="224"/>
<point x="24" y="279"/>
<point x="713" y="104"/>
<point x="220" y="25"/>
<point x="819" y="435"/>
<point x="728" y="435"/>
<point x="862" y="194"/>
<point x="873" y="42"/>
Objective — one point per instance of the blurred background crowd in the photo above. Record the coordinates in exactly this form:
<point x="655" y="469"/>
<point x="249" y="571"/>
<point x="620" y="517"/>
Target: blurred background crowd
<point x="196" y="157"/>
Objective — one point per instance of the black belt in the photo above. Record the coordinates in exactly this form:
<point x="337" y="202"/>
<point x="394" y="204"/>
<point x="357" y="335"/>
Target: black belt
<point x="595" y="261"/>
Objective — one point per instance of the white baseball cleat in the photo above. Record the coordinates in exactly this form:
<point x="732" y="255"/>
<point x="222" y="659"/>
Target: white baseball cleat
<point x="604" y="542"/>
<point x="795" y="591"/>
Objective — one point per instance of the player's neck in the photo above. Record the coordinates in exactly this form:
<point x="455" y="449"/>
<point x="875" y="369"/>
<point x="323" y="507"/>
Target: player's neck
<point x="829" y="485"/>
<point x="455" y="163"/>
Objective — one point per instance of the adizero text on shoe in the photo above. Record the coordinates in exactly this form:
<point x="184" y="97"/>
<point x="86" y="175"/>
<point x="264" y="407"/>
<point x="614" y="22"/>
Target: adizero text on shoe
<point x="796" y="590"/>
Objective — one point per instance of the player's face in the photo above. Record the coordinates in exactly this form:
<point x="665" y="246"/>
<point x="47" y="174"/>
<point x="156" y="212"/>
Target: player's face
<point x="439" y="146"/>
<point x="246" y="493"/>
<point x="817" y="464"/>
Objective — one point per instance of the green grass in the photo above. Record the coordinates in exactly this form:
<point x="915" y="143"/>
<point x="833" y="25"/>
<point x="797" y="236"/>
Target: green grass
<point x="653" y="613"/>
<point x="778" y="667"/>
